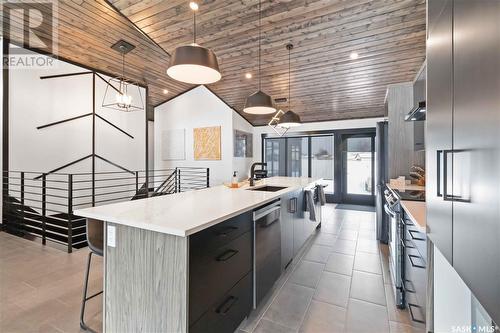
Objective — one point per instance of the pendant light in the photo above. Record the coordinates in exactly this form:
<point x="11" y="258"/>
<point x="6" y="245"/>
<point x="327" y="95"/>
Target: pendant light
<point x="290" y="118"/>
<point x="259" y="102"/>
<point x="193" y="63"/>
<point x="119" y="90"/>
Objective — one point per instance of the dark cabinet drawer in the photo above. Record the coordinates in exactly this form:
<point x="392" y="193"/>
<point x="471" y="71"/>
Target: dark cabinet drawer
<point x="212" y="274"/>
<point x="415" y="282"/>
<point x="228" y="311"/>
<point x="416" y="239"/>
<point x="220" y="234"/>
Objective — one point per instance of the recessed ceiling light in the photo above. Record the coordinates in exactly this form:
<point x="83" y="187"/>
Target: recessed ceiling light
<point x="248" y="75"/>
<point x="354" y="55"/>
<point x="193" y="5"/>
<point x="165" y="91"/>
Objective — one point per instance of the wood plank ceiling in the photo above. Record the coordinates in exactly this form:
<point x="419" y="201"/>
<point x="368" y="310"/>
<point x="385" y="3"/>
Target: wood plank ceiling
<point x="388" y="35"/>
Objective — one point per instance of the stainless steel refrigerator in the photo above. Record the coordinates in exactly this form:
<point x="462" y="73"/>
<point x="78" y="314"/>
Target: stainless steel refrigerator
<point x="381" y="178"/>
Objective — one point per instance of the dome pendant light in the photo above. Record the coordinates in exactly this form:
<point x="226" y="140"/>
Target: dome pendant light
<point x="290" y="118"/>
<point x="259" y="102"/>
<point x="193" y="63"/>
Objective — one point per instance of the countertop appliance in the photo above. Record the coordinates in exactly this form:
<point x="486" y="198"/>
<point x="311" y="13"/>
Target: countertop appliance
<point x="267" y="249"/>
<point x="396" y="254"/>
<point x="381" y="178"/>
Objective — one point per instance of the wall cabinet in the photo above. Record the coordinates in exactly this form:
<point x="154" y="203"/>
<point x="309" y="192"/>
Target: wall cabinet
<point x="463" y="142"/>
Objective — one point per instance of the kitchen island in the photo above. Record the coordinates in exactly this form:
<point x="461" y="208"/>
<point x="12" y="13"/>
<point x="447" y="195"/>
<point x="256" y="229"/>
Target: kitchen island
<point x="187" y="261"/>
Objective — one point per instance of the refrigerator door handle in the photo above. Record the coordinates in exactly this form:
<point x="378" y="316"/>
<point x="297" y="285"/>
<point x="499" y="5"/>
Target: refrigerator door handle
<point x="439" y="157"/>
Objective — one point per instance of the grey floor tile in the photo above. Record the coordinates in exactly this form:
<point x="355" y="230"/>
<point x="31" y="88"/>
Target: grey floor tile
<point x="396" y="327"/>
<point x="350" y="225"/>
<point x="307" y="273"/>
<point x="368" y="287"/>
<point x="324" y="317"/>
<point x="325" y="239"/>
<point x="364" y="317"/>
<point x="290" y="306"/>
<point x="331" y="227"/>
<point x="367" y="262"/>
<point x="267" y="326"/>
<point x="367" y="234"/>
<point x="340" y="263"/>
<point x="333" y="288"/>
<point x="366" y="245"/>
<point x="318" y="253"/>
<point x="344" y="246"/>
<point x="348" y="234"/>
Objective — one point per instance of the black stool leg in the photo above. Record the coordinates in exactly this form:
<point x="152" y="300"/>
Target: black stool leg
<point x="85" y="298"/>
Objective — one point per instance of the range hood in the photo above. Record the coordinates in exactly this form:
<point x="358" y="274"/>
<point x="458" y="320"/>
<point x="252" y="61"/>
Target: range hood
<point x="417" y="113"/>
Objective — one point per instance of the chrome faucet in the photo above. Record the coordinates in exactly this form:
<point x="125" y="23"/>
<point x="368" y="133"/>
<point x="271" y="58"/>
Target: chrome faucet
<point x="252" y="172"/>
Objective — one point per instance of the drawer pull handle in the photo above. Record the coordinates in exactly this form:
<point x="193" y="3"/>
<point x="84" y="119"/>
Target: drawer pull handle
<point x="223" y="232"/>
<point x="410" y="306"/>
<point x="226" y="255"/>
<point x="227" y="305"/>
<point x="411" y="256"/>
<point x="415" y="237"/>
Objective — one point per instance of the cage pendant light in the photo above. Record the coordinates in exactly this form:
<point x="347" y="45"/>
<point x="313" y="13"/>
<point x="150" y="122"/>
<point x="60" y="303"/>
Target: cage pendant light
<point x="290" y="118"/>
<point x="259" y="102"/>
<point x="193" y="63"/>
<point x="123" y="94"/>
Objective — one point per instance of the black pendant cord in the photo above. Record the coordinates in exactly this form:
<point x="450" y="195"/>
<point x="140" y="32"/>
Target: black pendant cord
<point x="289" y="81"/>
<point x="122" y="81"/>
<point x="260" y="19"/>
<point x="194" y="26"/>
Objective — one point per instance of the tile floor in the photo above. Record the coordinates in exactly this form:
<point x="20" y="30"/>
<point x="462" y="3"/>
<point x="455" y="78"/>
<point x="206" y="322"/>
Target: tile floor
<point x="340" y="283"/>
<point x="41" y="287"/>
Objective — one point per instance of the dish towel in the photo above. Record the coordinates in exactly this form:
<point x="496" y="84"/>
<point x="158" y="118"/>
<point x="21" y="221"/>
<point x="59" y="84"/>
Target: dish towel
<point x="310" y="204"/>
<point x="321" y="194"/>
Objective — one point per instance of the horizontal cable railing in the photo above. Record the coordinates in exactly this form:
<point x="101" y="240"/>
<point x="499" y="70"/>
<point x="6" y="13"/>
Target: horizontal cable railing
<point x="42" y="205"/>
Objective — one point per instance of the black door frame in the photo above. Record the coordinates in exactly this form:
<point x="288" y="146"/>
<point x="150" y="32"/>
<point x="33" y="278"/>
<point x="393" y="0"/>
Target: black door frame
<point x="356" y="199"/>
<point x="336" y="197"/>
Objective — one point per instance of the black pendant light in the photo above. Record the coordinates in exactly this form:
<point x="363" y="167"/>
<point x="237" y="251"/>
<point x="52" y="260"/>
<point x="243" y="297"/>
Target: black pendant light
<point x="193" y="63"/>
<point x="259" y="102"/>
<point x="290" y="118"/>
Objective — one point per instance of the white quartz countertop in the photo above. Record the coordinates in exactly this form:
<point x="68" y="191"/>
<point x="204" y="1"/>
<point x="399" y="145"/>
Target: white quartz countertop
<point x="186" y="213"/>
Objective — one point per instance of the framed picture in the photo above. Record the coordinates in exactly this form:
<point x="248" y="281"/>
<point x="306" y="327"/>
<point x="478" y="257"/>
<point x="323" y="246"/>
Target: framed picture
<point x="207" y="143"/>
<point x="243" y="144"/>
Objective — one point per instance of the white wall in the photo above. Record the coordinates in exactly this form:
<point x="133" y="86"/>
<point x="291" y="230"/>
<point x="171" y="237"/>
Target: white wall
<point x="314" y="126"/>
<point x="196" y="108"/>
<point x="35" y="102"/>
<point x="242" y="164"/>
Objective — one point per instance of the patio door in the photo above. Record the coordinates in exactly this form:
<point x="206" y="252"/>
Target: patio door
<point x="358" y="159"/>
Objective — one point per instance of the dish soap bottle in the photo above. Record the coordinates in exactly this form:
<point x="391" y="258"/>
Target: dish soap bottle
<point x="234" y="182"/>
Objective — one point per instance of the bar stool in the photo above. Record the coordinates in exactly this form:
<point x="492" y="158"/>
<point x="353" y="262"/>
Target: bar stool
<point x="95" y="240"/>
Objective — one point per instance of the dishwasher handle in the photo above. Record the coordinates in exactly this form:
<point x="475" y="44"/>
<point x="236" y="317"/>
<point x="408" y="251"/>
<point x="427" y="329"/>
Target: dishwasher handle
<point x="259" y="214"/>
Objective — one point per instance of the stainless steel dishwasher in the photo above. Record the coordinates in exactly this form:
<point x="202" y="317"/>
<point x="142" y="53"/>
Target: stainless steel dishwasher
<point x="267" y="249"/>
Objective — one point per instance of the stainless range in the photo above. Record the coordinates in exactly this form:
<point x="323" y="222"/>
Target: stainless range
<point x="396" y="255"/>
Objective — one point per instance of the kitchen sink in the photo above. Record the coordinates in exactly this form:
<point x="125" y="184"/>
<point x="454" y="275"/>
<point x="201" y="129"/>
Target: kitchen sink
<point x="267" y="188"/>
